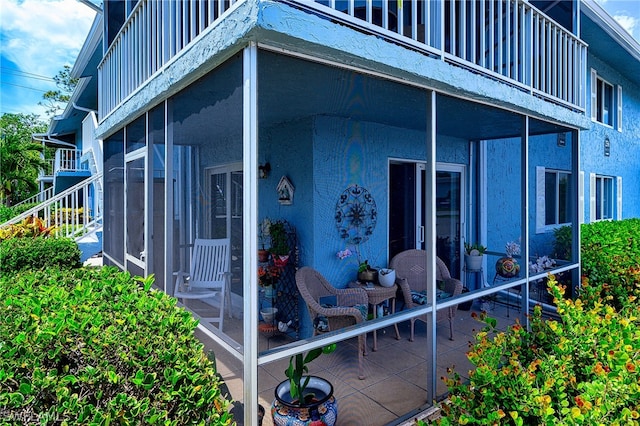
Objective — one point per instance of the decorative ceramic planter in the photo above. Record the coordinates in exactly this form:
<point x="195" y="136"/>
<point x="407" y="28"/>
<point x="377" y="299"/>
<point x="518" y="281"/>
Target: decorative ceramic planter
<point x="473" y="263"/>
<point x="323" y="410"/>
<point x="386" y="277"/>
<point x="268" y="314"/>
<point x="507" y="267"/>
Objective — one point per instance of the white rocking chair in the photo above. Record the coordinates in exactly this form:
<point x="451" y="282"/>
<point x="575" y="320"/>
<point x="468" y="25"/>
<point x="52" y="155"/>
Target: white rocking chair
<point x="208" y="275"/>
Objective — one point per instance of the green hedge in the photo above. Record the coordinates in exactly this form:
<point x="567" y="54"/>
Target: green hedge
<point x="95" y="346"/>
<point x="19" y="254"/>
<point x="610" y="259"/>
<point x="7" y="213"/>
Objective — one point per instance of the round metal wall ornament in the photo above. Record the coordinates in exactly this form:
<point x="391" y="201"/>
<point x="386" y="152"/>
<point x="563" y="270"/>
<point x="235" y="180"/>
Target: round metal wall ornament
<point x="356" y="215"/>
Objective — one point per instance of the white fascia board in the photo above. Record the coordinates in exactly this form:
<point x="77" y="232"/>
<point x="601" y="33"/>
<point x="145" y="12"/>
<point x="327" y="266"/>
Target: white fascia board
<point x="605" y="21"/>
<point x="91" y="43"/>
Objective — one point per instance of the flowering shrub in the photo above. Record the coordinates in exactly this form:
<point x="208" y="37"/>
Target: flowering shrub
<point x="582" y="369"/>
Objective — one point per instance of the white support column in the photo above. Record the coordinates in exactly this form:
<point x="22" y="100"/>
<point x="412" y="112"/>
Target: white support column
<point x="168" y="198"/>
<point x="250" y="230"/>
<point x="524" y="307"/>
<point x="429" y="207"/>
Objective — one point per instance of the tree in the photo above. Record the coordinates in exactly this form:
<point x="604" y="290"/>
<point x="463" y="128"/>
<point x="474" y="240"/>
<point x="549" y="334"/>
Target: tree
<point x="20" y="157"/>
<point x="54" y="100"/>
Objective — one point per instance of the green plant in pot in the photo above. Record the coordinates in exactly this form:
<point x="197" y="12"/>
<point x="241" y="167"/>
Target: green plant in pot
<point x="280" y="249"/>
<point x="366" y="273"/>
<point x="473" y="254"/>
<point x="305" y="399"/>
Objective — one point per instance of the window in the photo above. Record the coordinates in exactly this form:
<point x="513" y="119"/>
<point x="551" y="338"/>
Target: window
<point x="605" y="201"/>
<point x="606" y="103"/>
<point x="553" y="198"/>
<point x="556" y="197"/>
<point x="604" y="197"/>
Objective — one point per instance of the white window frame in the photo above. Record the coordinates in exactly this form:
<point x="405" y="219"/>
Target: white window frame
<point x="615" y="202"/>
<point x="614" y="113"/>
<point x="541" y="198"/>
<point x="619" y="108"/>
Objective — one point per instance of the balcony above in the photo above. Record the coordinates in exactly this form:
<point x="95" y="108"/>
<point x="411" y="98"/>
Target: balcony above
<point x="506" y="40"/>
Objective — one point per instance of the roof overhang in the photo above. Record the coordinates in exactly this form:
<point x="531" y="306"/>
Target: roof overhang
<point x="609" y="41"/>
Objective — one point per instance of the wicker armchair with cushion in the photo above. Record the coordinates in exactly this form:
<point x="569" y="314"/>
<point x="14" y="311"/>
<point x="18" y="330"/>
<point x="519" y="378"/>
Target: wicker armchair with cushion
<point x="331" y="308"/>
<point x="411" y="270"/>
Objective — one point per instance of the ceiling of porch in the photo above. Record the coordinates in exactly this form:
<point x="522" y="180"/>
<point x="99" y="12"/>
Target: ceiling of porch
<point x="292" y="88"/>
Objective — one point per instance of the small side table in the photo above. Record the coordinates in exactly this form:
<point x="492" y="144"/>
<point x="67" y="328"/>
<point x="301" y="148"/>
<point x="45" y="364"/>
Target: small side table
<point x="470" y="272"/>
<point x="378" y="294"/>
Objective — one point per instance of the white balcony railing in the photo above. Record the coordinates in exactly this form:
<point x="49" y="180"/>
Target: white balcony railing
<point x="68" y="160"/>
<point x="505" y="39"/>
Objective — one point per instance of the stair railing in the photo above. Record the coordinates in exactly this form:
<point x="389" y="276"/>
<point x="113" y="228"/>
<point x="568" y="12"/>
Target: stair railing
<point x="75" y="212"/>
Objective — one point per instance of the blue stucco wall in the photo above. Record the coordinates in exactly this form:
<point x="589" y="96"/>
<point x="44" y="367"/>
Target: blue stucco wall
<point x="503" y="192"/>
<point x="624" y="160"/>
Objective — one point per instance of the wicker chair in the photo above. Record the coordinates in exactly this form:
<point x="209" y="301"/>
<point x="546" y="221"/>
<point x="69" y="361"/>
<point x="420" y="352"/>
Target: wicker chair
<point x="313" y="286"/>
<point x="411" y="268"/>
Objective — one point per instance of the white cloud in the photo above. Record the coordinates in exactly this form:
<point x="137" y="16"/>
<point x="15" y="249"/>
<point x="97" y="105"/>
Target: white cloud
<point x="626" y="13"/>
<point x="629" y="23"/>
<point x="44" y="35"/>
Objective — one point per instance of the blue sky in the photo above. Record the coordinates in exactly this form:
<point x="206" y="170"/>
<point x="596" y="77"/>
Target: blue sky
<point x="39" y="37"/>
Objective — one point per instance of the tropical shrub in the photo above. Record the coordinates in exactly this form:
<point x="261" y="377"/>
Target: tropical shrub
<point x="64" y="215"/>
<point x="582" y="369"/>
<point x="30" y="227"/>
<point x="96" y="346"/>
<point x="7" y="213"/>
<point x="19" y="254"/>
<point x="610" y="259"/>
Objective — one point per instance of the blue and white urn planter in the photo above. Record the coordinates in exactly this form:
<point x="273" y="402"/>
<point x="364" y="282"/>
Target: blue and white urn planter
<point x="323" y="410"/>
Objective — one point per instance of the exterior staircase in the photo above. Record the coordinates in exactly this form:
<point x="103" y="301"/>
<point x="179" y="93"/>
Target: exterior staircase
<point x="75" y="213"/>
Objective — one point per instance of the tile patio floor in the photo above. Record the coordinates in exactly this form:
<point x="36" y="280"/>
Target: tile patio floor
<point x="396" y="374"/>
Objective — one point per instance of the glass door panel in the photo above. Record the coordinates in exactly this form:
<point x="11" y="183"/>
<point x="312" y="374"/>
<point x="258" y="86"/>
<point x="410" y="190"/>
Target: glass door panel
<point x="449" y="216"/>
<point x="407" y="215"/>
<point x="135" y="199"/>
<point x="225" y="216"/>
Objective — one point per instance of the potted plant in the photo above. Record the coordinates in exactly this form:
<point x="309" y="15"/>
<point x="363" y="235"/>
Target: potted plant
<point x="268" y="277"/>
<point x="473" y="254"/>
<point x="304" y="399"/>
<point x="279" y="247"/>
<point x="366" y="273"/>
